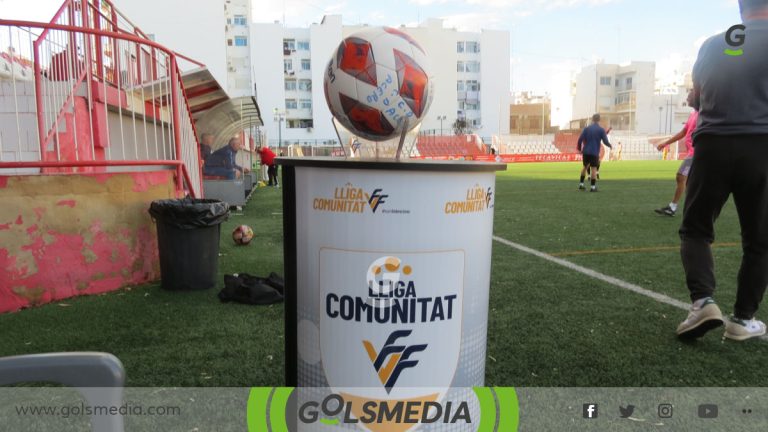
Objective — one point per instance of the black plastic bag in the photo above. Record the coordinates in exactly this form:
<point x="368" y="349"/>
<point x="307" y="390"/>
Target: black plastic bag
<point x="190" y="213"/>
<point x="248" y="289"/>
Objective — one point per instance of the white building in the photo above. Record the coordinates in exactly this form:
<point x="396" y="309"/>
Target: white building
<point x="198" y="32"/>
<point x="628" y="98"/>
<point x="238" y="51"/>
<point x="622" y="94"/>
<point x="471" y="77"/>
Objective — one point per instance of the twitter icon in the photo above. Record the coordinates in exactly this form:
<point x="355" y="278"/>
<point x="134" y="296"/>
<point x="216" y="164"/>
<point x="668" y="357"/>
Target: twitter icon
<point x="626" y="412"/>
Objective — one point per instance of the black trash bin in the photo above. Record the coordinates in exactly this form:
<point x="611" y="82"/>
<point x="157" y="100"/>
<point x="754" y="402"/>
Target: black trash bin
<point x="188" y="232"/>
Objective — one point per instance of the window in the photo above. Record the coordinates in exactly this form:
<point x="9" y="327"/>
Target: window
<point x="459" y="85"/>
<point x="471" y="106"/>
<point x="299" y="123"/>
<point x="617" y="82"/>
<point x="305" y="104"/>
<point x="229" y="42"/>
<point x="241" y="41"/>
<point x="473" y="85"/>
<point x="240" y="20"/>
<point x="229" y="20"/>
<point x="605" y="80"/>
<point x="472" y="66"/>
<point x="459" y="47"/>
<point x="303" y="45"/>
<point x="290" y="104"/>
<point x="472" y="47"/>
<point x="289" y="45"/>
<point x="305" y="85"/>
<point x="629" y="83"/>
<point x="290" y="85"/>
<point x="288" y="65"/>
<point x="460" y="66"/>
<point x="476" y="122"/>
<point x="305" y="64"/>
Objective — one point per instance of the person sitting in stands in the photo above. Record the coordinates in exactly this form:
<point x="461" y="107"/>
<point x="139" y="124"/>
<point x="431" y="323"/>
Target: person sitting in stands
<point x="206" y="141"/>
<point x="222" y="162"/>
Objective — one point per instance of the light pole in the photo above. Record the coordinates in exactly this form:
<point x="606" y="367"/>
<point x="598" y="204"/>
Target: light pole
<point x="279" y="116"/>
<point x="660" y="110"/>
<point x="441" y="118"/>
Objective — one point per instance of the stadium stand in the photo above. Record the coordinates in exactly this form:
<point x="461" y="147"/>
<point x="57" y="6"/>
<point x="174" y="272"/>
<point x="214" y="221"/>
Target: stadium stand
<point x="450" y="145"/>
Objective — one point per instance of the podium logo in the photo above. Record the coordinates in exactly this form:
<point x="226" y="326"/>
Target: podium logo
<point x="351" y="199"/>
<point x="393" y="358"/>
<point x="392" y="298"/>
<point x="477" y="199"/>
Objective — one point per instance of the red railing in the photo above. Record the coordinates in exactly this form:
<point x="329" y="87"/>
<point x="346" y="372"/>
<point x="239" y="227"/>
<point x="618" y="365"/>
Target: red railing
<point x="103" y="96"/>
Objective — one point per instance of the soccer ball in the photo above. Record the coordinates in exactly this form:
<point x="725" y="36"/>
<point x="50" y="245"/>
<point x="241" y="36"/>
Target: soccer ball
<point x="242" y="235"/>
<point x="377" y="81"/>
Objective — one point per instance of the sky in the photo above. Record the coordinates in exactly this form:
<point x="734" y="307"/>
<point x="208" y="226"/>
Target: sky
<point x="549" y="38"/>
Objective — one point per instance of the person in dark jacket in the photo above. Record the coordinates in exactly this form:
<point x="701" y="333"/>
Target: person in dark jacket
<point x="206" y="149"/>
<point x="589" y="146"/>
<point x="223" y="161"/>
<point x="730" y="83"/>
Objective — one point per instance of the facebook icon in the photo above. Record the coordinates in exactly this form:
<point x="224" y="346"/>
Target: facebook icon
<point x="590" y="411"/>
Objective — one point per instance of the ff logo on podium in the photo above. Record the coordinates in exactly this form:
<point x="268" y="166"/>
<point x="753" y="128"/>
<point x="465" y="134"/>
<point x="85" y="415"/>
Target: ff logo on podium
<point x="590" y="411"/>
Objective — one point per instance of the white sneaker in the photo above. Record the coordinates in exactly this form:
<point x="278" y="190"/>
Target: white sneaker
<point x="741" y="329"/>
<point x="703" y="316"/>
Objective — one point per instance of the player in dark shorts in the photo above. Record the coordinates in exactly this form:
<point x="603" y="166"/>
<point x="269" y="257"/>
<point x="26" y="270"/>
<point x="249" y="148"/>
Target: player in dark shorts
<point x="589" y="171"/>
<point x="589" y="146"/>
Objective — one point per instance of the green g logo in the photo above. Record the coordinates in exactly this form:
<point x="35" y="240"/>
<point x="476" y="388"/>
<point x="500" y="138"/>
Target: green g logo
<point x="735" y="38"/>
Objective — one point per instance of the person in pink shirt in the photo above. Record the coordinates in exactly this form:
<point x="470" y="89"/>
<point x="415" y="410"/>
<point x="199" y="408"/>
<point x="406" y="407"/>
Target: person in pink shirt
<point x="685" y="167"/>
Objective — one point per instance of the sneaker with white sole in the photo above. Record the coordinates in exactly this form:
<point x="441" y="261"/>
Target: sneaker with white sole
<point x="703" y="316"/>
<point x="665" y="211"/>
<point x="741" y="329"/>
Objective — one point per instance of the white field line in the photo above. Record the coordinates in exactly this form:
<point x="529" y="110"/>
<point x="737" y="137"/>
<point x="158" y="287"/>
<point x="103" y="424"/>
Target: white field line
<point x="661" y="298"/>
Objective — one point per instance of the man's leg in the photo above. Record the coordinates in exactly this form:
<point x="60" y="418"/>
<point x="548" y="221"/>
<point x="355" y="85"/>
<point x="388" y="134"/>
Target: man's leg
<point x="227" y="173"/>
<point x="708" y="188"/>
<point x="707" y="191"/>
<point x="264" y="172"/>
<point x="750" y="194"/>
<point x="274" y="173"/>
<point x="679" y="189"/>
<point x="583" y="174"/>
<point x="595" y="164"/>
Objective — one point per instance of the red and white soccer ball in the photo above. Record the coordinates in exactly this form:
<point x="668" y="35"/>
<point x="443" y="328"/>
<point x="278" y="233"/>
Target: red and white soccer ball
<point x="242" y="235"/>
<point x="377" y="81"/>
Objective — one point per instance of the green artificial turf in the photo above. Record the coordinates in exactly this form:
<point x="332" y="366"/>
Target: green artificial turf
<point x="548" y="325"/>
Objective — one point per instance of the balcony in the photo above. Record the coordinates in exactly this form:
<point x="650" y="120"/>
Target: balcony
<point x="469" y="96"/>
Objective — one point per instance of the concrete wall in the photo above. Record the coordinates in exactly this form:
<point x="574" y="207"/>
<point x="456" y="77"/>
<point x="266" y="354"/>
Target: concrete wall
<point x="68" y="235"/>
